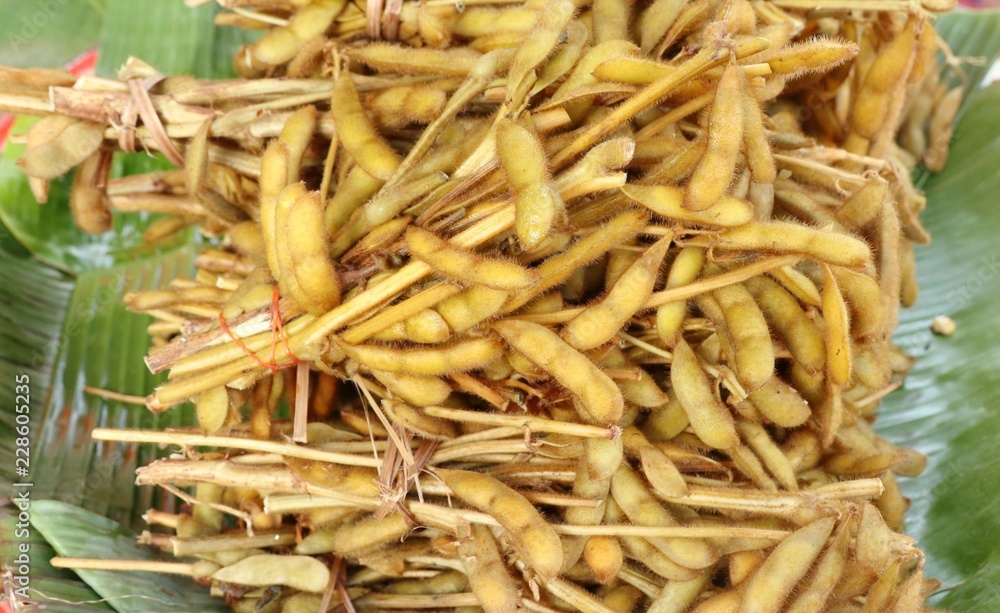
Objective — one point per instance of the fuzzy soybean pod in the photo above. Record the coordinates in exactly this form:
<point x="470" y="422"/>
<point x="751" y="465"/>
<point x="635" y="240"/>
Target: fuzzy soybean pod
<point x="622" y="599"/>
<point x="248" y="240"/>
<point x="556" y="269"/>
<point x="863" y="205"/>
<point x="829" y="568"/>
<point x="611" y="20"/>
<point x="357" y="134"/>
<point x="397" y="107"/>
<point x="491" y="582"/>
<point x="643" y="392"/>
<point x="725" y="136"/>
<point x="534" y="539"/>
<point x="89" y="197"/>
<point x="414" y="419"/>
<point x="780" y="403"/>
<point x="684" y="270"/>
<point x="471" y="306"/>
<point x="599" y="323"/>
<point x="791" y="237"/>
<point x="603" y="554"/>
<point x="838" y="330"/>
<point x="381" y="209"/>
<point x="630" y="493"/>
<point x="889" y="271"/>
<point x="599" y="462"/>
<point x="212" y="409"/>
<point x="357" y="187"/>
<point x="640" y="549"/>
<point x="538" y="207"/>
<point x="379" y="239"/>
<point x="565" y="57"/>
<point x="317" y="285"/>
<point x="439" y="360"/>
<point x="864" y="302"/>
<point x="420" y="390"/>
<point x="769" y="453"/>
<point x="667" y="201"/>
<point x="656" y="20"/>
<point x="583" y="75"/>
<point x="745" y="323"/>
<point x="941" y="128"/>
<point x="666" y="480"/>
<point x="445" y="582"/>
<point x="273" y="179"/>
<point x="352" y="482"/>
<point x="874" y="99"/>
<point x="710" y="419"/>
<point x="678" y="596"/>
<point x="370" y="533"/>
<point x="282" y="44"/>
<point x="798" y="284"/>
<point x="534" y="49"/>
<point x="665" y="422"/>
<point x="478" y="20"/>
<point x="760" y="161"/>
<point x="387" y="57"/>
<point x="296" y="134"/>
<point x="790" y="321"/>
<point x="58" y="143"/>
<point x="818" y="54"/>
<point x="599" y="397"/>
<point x="467" y="266"/>
<point x="676" y="167"/>
<point x="769" y="587"/>
<point x="298" y="572"/>
<point x="617" y="263"/>
<point x="284" y="273"/>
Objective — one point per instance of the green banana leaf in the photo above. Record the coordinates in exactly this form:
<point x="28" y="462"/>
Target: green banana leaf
<point x="946" y="409"/>
<point x="46" y="582"/>
<point x="75" y="532"/>
<point x="48" y="32"/>
<point x="62" y="321"/>
<point x="949" y="407"/>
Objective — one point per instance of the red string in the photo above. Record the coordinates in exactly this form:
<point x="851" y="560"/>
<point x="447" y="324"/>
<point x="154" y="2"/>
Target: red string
<point x="225" y="328"/>
<point x="276" y="324"/>
<point x="277" y="329"/>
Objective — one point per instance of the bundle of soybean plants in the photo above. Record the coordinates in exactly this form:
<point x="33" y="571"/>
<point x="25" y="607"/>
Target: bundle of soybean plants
<point x="569" y="306"/>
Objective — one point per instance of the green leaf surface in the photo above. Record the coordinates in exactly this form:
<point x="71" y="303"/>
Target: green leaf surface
<point x="102" y="346"/>
<point x="47" y="231"/>
<point x="975" y="36"/>
<point x="76" y="532"/>
<point x="33" y="302"/>
<point x="949" y="407"/>
<point x="172" y="37"/>
<point x="61" y="314"/>
<point x="167" y="34"/>
<point x="48" y="32"/>
<point x="19" y="542"/>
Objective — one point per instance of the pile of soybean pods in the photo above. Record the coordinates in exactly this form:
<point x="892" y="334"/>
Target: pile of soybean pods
<point x="542" y="306"/>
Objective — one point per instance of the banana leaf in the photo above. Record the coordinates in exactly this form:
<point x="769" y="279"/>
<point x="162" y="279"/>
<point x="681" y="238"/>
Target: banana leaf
<point x="946" y="409"/>
<point x="62" y="321"/>
<point x="48" y="32"/>
<point x="76" y="532"/>
<point x="949" y="406"/>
